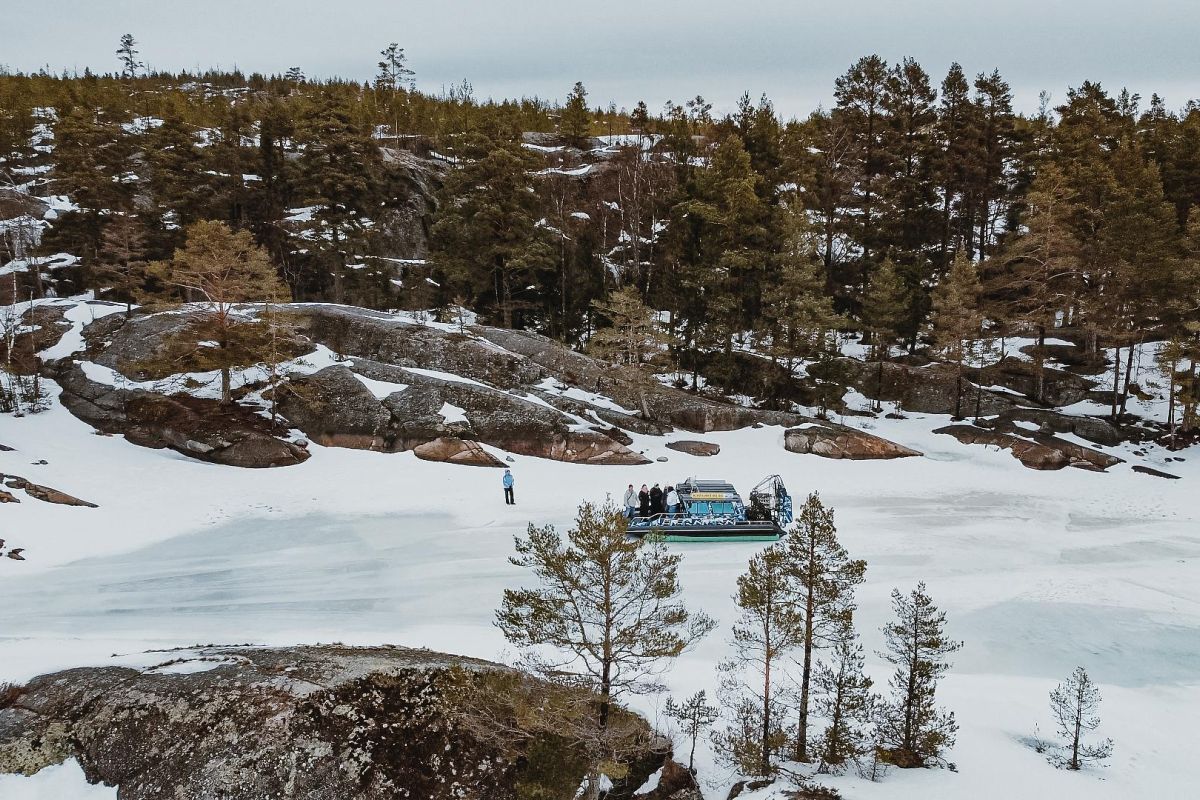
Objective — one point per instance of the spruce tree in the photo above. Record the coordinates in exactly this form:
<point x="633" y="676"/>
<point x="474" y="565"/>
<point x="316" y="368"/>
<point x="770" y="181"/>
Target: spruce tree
<point x="1034" y="278"/>
<point x="1074" y="705"/>
<point x="339" y="169"/>
<point x="823" y="581"/>
<point x="121" y="262"/>
<point x="843" y="698"/>
<point x="908" y="202"/>
<point x="913" y="731"/>
<point x="768" y="627"/>
<point x="797" y="315"/>
<point x="486" y="235"/>
<point x="576" y="122"/>
<point x="883" y="314"/>
<point x="956" y="319"/>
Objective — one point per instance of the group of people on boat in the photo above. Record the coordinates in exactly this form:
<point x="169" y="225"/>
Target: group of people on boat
<point x="652" y="501"/>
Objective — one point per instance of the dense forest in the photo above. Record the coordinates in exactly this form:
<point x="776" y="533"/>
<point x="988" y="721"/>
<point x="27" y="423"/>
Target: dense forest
<point x="926" y="216"/>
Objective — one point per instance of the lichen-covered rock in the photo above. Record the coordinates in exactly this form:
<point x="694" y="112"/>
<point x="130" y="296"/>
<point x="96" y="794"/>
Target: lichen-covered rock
<point x="839" y="441"/>
<point x="320" y="723"/>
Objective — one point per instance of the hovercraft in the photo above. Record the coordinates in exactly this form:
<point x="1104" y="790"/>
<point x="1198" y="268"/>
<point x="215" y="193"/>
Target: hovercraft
<point x="713" y="511"/>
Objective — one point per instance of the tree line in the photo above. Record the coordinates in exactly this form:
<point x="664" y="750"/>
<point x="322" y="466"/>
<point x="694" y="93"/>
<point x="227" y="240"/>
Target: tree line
<point x="923" y="215"/>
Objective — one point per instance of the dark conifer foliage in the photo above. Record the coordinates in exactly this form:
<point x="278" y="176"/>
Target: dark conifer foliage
<point x="741" y="230"/>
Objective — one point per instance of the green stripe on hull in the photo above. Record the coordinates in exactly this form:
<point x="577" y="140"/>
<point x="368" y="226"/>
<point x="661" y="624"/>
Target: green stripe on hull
<point x="686" y="538"/>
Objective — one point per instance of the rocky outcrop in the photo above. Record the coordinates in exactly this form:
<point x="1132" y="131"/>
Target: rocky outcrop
<point x="333" y="407"/>
<point x="321" y="723"/>
<point x="695" y="448"/>
<point x="931" y="388"/>
<point x="39" y="492"/>
<point x="839" y="441"/>
<point x="1048" y="421"/>
<point x="673" y="782"/>
<point x="631" y="389"/>
<point x="456" y="451"/>
<point x="195" y="427"/>
<point x="1157" y="473"/>
<point x="1038" y="451"/>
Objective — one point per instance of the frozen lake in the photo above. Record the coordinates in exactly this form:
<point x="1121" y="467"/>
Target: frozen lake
<point x="1037" y="572"/>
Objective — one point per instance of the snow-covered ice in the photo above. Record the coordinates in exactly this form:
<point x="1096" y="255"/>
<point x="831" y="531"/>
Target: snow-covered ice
<point x="1037" y="571"/>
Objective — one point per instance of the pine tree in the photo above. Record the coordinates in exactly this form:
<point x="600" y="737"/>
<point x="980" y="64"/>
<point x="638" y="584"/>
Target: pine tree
<point x="913" y="731"/>
<point x="860" y="100"/>
<point x="576" y="122"/>
<point x="843" y="697"/>
<point x="693" y="716"/>
<point x="1074" y="704"/>
<point x="956" y="319"/>
<point x="633" y="336"/>
<point x="768" y="628"/>
<point x="127" y="54"/>
<point x="219" y="269"/>
<point x="608" y="606"/>
<point x="823" y="581"/>
<point x="883" y="315"/>
<point x="393" y="78"/>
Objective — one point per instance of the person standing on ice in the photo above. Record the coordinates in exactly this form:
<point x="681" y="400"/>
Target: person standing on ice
<point x="631" y="501"/>
<point x="672" y="498"/>
<point x="508" y="481"/>
<point x="656" y="498"/>
<point x="644" y="501"/>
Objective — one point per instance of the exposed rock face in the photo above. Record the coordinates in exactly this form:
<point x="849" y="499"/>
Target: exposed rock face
<point x="929" y="389"/>
<point x="1059" y="388"/>
<point x="333" y="407"/>
<point x="1040" y="451"/>
<point x="838" y="441"/>
<point x="1090" y="428"/>
<point x="321" y="723"/>
<point x="38" y="492"/>
<point x="194" y="427"/>
<point x="932" y="388"/>
<point x="695" y="448"/>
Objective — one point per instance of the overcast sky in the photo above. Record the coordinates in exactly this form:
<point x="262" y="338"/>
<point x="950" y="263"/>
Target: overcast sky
<point x="626" y="50"/>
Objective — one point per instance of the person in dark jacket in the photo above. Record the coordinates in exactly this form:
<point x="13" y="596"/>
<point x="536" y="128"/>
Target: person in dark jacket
<point x="656" y="506"/>
<point x="644" y="501"/>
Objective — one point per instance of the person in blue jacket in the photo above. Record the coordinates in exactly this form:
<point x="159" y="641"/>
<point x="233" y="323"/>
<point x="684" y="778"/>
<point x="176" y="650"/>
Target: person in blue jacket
<point x="508" y="488"/>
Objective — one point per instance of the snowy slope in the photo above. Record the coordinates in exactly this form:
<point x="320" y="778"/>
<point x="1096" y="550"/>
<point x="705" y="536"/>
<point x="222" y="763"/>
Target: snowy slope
<point x="1037" y="571"/>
